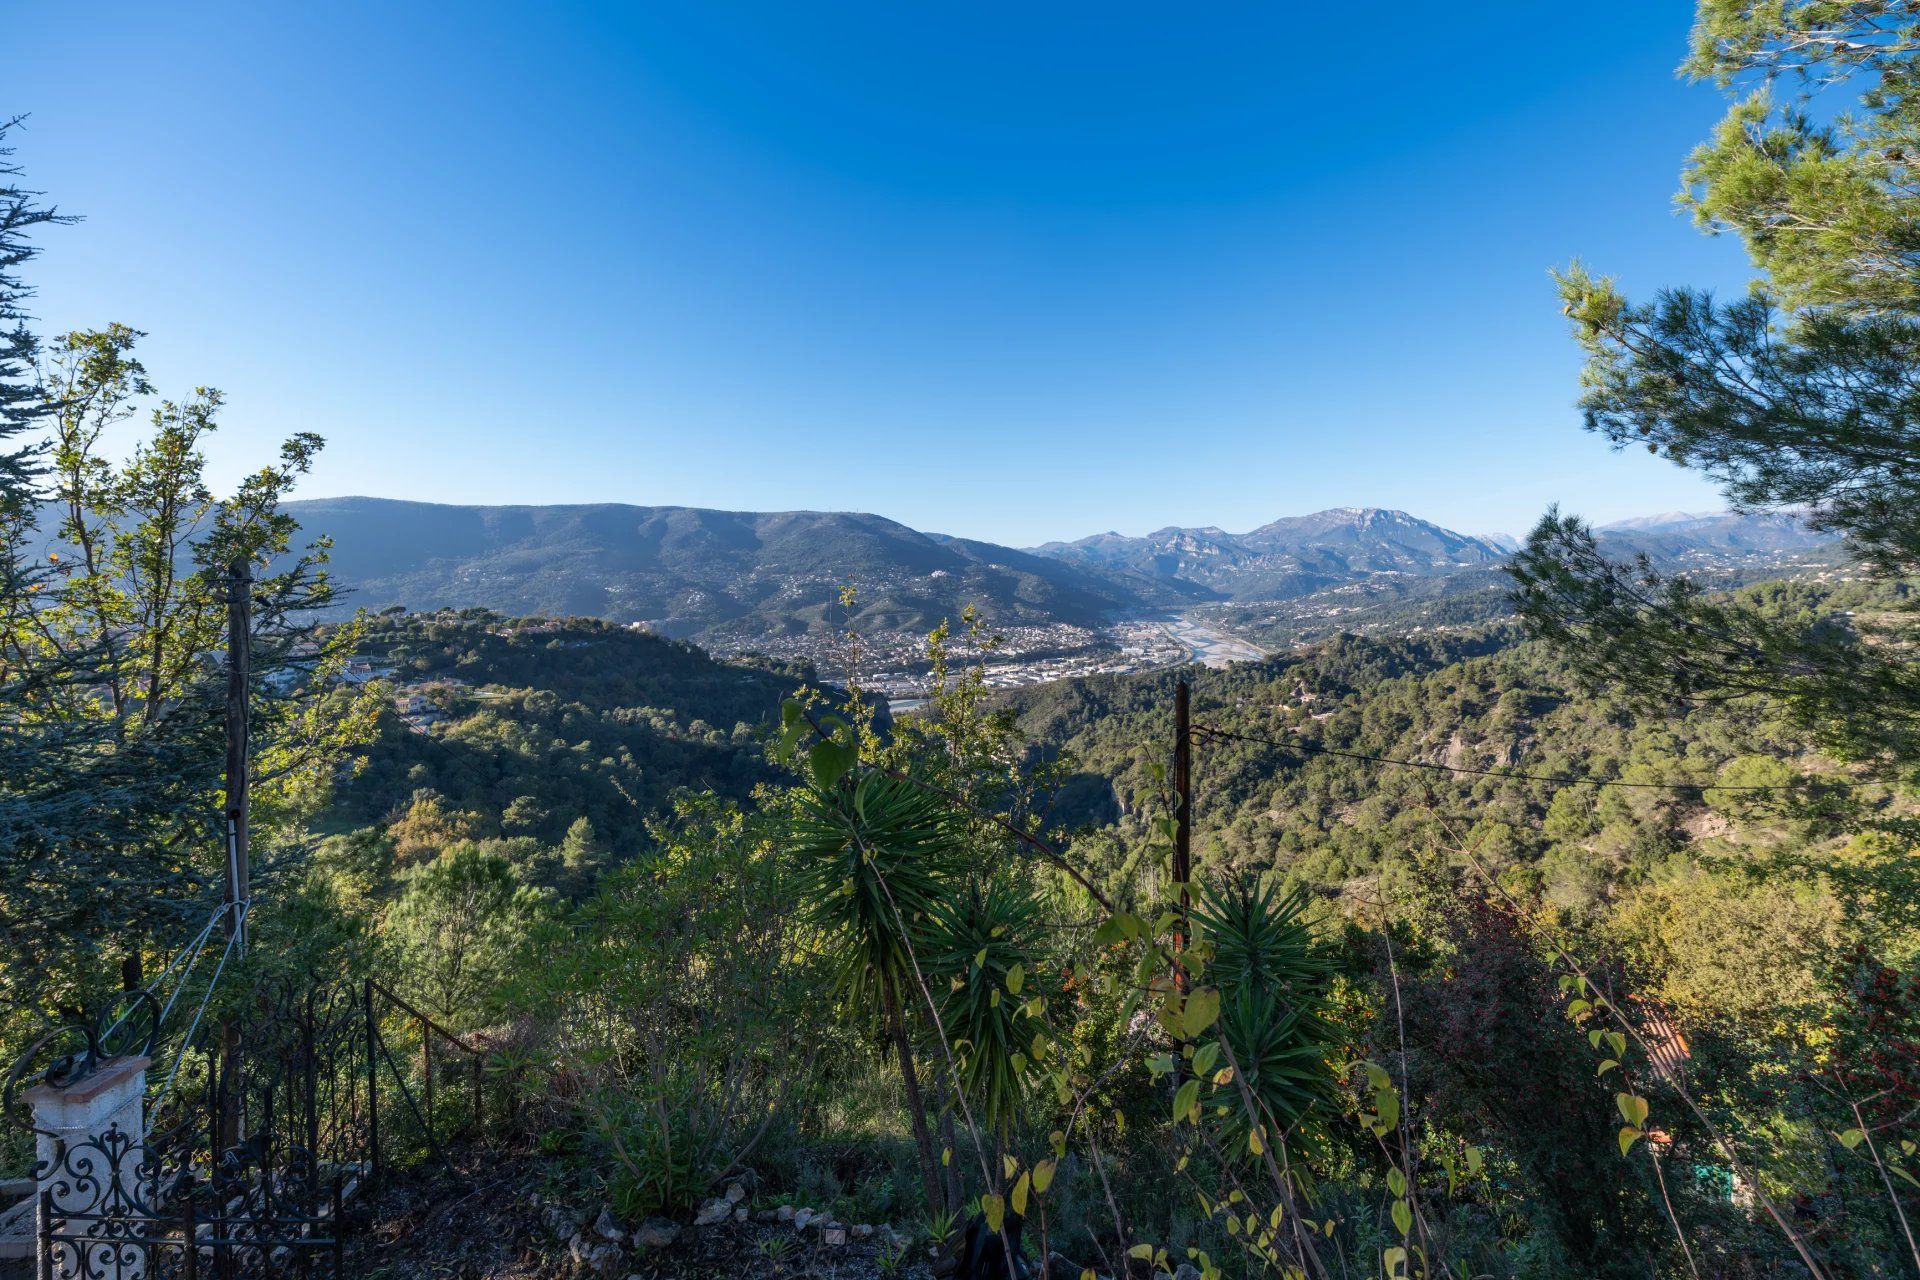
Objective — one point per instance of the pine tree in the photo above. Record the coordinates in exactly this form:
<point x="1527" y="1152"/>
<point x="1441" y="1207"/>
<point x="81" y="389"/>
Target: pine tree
<point x="1802" y="396"/>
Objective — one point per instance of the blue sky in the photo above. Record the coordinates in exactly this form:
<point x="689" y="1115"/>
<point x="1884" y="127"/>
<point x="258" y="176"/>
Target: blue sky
<point x="1012" y="271"/>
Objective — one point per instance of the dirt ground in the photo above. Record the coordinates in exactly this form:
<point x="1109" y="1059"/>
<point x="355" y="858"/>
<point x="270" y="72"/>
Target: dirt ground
<point x="498" y="1224"/>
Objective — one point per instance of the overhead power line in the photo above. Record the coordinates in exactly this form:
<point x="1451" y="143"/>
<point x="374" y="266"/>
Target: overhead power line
<point x="1312" y="748"/>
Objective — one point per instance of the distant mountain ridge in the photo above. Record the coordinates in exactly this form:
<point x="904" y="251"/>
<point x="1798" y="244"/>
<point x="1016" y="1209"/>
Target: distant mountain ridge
<point x="734" y="576"/>
<point x="1288" y="557"/>
<point x="693" y="572"/>
<point x="1683" y="534"/>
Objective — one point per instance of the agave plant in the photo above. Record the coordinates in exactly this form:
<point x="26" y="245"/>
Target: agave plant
<point x="1273" y="980"/>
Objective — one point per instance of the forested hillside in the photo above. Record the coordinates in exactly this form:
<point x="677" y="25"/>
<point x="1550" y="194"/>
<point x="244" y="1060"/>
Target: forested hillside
<point x="523" y="729"/>
<point x="1295" y="786"/>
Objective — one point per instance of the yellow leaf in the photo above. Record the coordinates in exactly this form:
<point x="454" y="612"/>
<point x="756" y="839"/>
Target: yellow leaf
<point x="1043" y="1175"/>
<point x="995" y="1209"/>
<point x="1203" y="1008"/>
<point x="1020" y="1194"/>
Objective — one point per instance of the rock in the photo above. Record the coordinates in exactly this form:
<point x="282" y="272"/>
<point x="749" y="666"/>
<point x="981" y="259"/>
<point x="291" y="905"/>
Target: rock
<point x="607" y="1259"/>
<point x="801" y="1218"/>
<point x="559" y="1222"/>
<point x="713" y="1211"/>
<point x="739" y="1213"/>
<point x="735" y="1193"/>
<point x="861" y="1231"/>
<point x="607" y="1227"/>
<point x="834" y="1236"/>
<point x="657" y="1233"/>
<point x="1186" y="1271"/>
<point x="765" y="1215"/>
<point x="784" y="1213"/>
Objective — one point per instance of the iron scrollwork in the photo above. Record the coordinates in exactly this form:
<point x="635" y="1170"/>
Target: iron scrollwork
<point x="260" y="1132"/>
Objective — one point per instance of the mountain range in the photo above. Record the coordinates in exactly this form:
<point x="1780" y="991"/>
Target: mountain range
<point x="1292" y="556"/>
<point x="735" y="576"/>
<point x="692" y="572"/>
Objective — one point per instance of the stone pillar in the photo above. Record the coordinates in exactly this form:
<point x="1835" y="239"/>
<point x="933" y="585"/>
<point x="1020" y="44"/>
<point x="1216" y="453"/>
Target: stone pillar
<point x="89" y="1152"/>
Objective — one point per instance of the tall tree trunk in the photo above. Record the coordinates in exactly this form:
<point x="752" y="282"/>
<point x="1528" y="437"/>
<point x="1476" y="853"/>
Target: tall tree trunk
<point x="916" y="1105"/>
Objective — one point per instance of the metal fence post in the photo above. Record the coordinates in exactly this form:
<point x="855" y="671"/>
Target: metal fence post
<point x="373" y="1090"/>
<point x="339" y="1231"/>
<point x="190" y="1263"/>
<point x="43" y="1234"/>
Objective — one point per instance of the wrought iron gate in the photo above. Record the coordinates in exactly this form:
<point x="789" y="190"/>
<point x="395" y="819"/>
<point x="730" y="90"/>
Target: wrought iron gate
<point x="265" y="1130"/>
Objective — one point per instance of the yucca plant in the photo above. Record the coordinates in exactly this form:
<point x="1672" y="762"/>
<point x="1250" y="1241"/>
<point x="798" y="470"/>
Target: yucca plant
<point x="1274" y="982"/>
<point x="989" y="1008"/>
<point x="872" y="858"/>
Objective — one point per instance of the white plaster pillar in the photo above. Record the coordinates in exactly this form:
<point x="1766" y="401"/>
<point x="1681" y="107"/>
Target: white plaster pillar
<point x="89" y="1148"/>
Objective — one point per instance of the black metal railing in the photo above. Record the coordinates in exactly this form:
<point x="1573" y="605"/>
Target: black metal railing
<point x="449" y="1066"/>
<point x="265" y="1126"/>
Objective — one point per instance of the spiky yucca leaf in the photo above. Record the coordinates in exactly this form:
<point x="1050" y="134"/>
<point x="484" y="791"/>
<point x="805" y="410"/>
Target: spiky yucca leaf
<point x="870" y="860"/>
<point x="1274" y="982"/>
<point x="979" y="962"/>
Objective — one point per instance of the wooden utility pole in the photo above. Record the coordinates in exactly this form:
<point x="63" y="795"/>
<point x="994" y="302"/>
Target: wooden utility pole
<point x="238" y="876"/>
<point x="239" y="679"/>
<point x="1182" y="818"/>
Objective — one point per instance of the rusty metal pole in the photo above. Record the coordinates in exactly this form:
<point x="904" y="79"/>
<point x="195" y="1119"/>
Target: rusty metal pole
<point x="1182" y="817"/>
<point x="1182" y="851"/>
